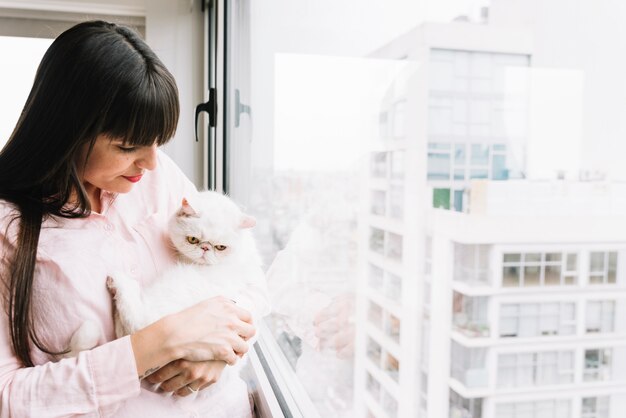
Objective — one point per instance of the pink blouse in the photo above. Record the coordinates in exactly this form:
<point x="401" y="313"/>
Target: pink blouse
<point x="74" y="258"/>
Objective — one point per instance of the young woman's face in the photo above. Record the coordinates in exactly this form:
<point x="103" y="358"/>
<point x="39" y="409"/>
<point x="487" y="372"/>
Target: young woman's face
<point x="113" y="166"/>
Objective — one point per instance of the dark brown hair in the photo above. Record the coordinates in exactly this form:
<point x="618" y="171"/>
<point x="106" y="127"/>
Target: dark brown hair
<point x="96" y="78"/>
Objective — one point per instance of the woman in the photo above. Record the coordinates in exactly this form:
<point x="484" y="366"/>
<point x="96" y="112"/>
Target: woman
<point x="85" y="193"/>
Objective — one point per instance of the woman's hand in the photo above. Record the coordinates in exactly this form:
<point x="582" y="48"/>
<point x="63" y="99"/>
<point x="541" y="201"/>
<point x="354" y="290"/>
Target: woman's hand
<point x="185" y="377"/>
<point x="334" y="326"/>
<point x="214" y="329"/>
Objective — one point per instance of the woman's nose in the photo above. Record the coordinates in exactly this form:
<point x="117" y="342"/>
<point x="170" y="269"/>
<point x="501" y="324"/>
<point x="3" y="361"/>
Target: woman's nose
<point x="148" y="160"/>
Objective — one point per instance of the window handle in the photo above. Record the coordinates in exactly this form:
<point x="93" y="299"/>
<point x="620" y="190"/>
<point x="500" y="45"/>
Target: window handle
<point x="240" y="108"/>
<point x="210" y="107"/>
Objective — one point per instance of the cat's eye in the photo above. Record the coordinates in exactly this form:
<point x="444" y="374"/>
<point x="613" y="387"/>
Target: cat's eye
<point x="193" y="240"/>
<point x="220" y="247"/>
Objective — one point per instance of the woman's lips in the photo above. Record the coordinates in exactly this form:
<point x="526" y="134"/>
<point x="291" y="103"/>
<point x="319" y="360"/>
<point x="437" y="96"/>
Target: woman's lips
<point x="133" y="179"/>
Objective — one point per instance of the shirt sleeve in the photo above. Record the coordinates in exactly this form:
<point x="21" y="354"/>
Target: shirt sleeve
<point x="92" y="384"/>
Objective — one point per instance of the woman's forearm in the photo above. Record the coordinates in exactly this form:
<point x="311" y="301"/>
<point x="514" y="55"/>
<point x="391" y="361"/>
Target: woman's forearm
<point x="153" y="347"/>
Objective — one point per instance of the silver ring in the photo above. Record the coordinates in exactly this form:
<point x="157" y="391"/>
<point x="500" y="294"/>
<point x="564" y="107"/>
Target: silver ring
<point x="191" y="389"/>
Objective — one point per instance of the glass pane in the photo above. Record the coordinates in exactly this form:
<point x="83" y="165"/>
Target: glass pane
<point x="378" y="119"/>
<point x="441" y="198"/>
<point x="379" y="202"/>
<point x="532" y="276"/>
<point x="377" y="240"/>
<point x="479" y="155"/>
<point x="375" y="277"/>
<point x="459" y="154"/>
<point x="479" y="174"/>
<point x="572" y="262"/>
<point x="612" y="267"/>
<point x="498" y="168"/>
<point x="16" y="79"/>
<point x="553" y="257"/>
<point x="438" y="166"/>
<point x="596" y="262"/>
<point x="532" y="257"/>
<point x="511" y="258"/>
<point x="552" y="275"/>
<point x="458" y="200"/>
<point x="511" y="277"/>
<point x="397" y="164"/>
<point x="379" y="164"/>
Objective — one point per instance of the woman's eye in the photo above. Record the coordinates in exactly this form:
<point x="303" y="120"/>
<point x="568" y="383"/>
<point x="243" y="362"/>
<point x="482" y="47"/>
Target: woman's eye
<point x="220" y="247"/>
<point x="127" y="149"/>
<point x="193" y="240"/>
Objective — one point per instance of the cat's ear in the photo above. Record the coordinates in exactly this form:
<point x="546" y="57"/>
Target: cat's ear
<point x="247" y="221"/>
<point x="186" y="209"/>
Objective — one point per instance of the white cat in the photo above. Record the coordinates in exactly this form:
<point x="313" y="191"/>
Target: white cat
<point x="217" y="256"/>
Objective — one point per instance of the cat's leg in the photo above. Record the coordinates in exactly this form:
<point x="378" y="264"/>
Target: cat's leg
<point x="84" y="338"/>
<point x="129" y="306"/>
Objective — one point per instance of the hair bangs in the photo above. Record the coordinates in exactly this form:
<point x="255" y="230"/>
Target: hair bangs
<point x="148" y="113"/>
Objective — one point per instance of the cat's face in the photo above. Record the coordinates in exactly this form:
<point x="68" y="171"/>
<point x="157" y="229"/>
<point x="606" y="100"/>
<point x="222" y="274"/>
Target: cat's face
<point x="209" y="233"/>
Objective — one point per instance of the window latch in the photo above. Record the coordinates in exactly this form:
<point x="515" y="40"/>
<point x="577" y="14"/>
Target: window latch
<point x="210" y="107"/>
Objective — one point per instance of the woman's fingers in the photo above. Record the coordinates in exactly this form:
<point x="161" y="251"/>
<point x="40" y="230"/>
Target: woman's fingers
<point x="165" y="373"/>
<point x="246" y="330"/>
<point x="188" y="376"/>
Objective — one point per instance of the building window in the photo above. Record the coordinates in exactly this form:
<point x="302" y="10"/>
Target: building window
<point x="600" y="316"/>
<point x="379" y="202"/>
<point x="596" y="407"/>
<point x="392" y="367"/>
<point x="389" y="404"/>
<point x="375" y="315"/>
<point x="539" y="269"/>
<point x="379" y="165"/>
<point x="471" y="263"/>
<point x="603" y="267"/>
<point x="376" y="277"/>
<point x="373" y="386"/>
<point x="468" y="365"/>
<point x="537" y="319"/>
<point x="597" y="365"/>
<point x="535" y="369"/>
<point x="539" y="409"/>
<point x="450" y="161"/>
<point x="386" y="243"/>
<point x="466" y="408"/>
<point x="469" y="315"/>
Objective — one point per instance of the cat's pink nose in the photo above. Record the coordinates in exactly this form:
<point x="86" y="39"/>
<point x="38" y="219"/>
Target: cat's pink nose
<point x="205" y="247"/>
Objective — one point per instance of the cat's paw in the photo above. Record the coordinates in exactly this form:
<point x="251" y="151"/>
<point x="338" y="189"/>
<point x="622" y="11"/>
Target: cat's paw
<point x="111" y="286"/>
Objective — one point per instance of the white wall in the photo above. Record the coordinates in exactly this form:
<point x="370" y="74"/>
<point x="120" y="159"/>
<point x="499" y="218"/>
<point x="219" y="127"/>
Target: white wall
<point x="174" y="30"/>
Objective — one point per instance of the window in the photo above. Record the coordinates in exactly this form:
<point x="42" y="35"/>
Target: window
<point x="537" y="409"/>
<point x="596" y="407"/>
<point x="539" y="269"/>
<point x="471" y="264"/>
<point x="16" y="79"/>
<point x="535" y="369"/>
<point x="537" y="319"/>
<point x="600" y="316"/>
<point x="350" y="131"/>
<point x="469" y="315"/>
<point x="602" y="267"/>
<point x="466" y="408"/>
<point x="469" y="365"/>
<point x="597" y="365"/>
